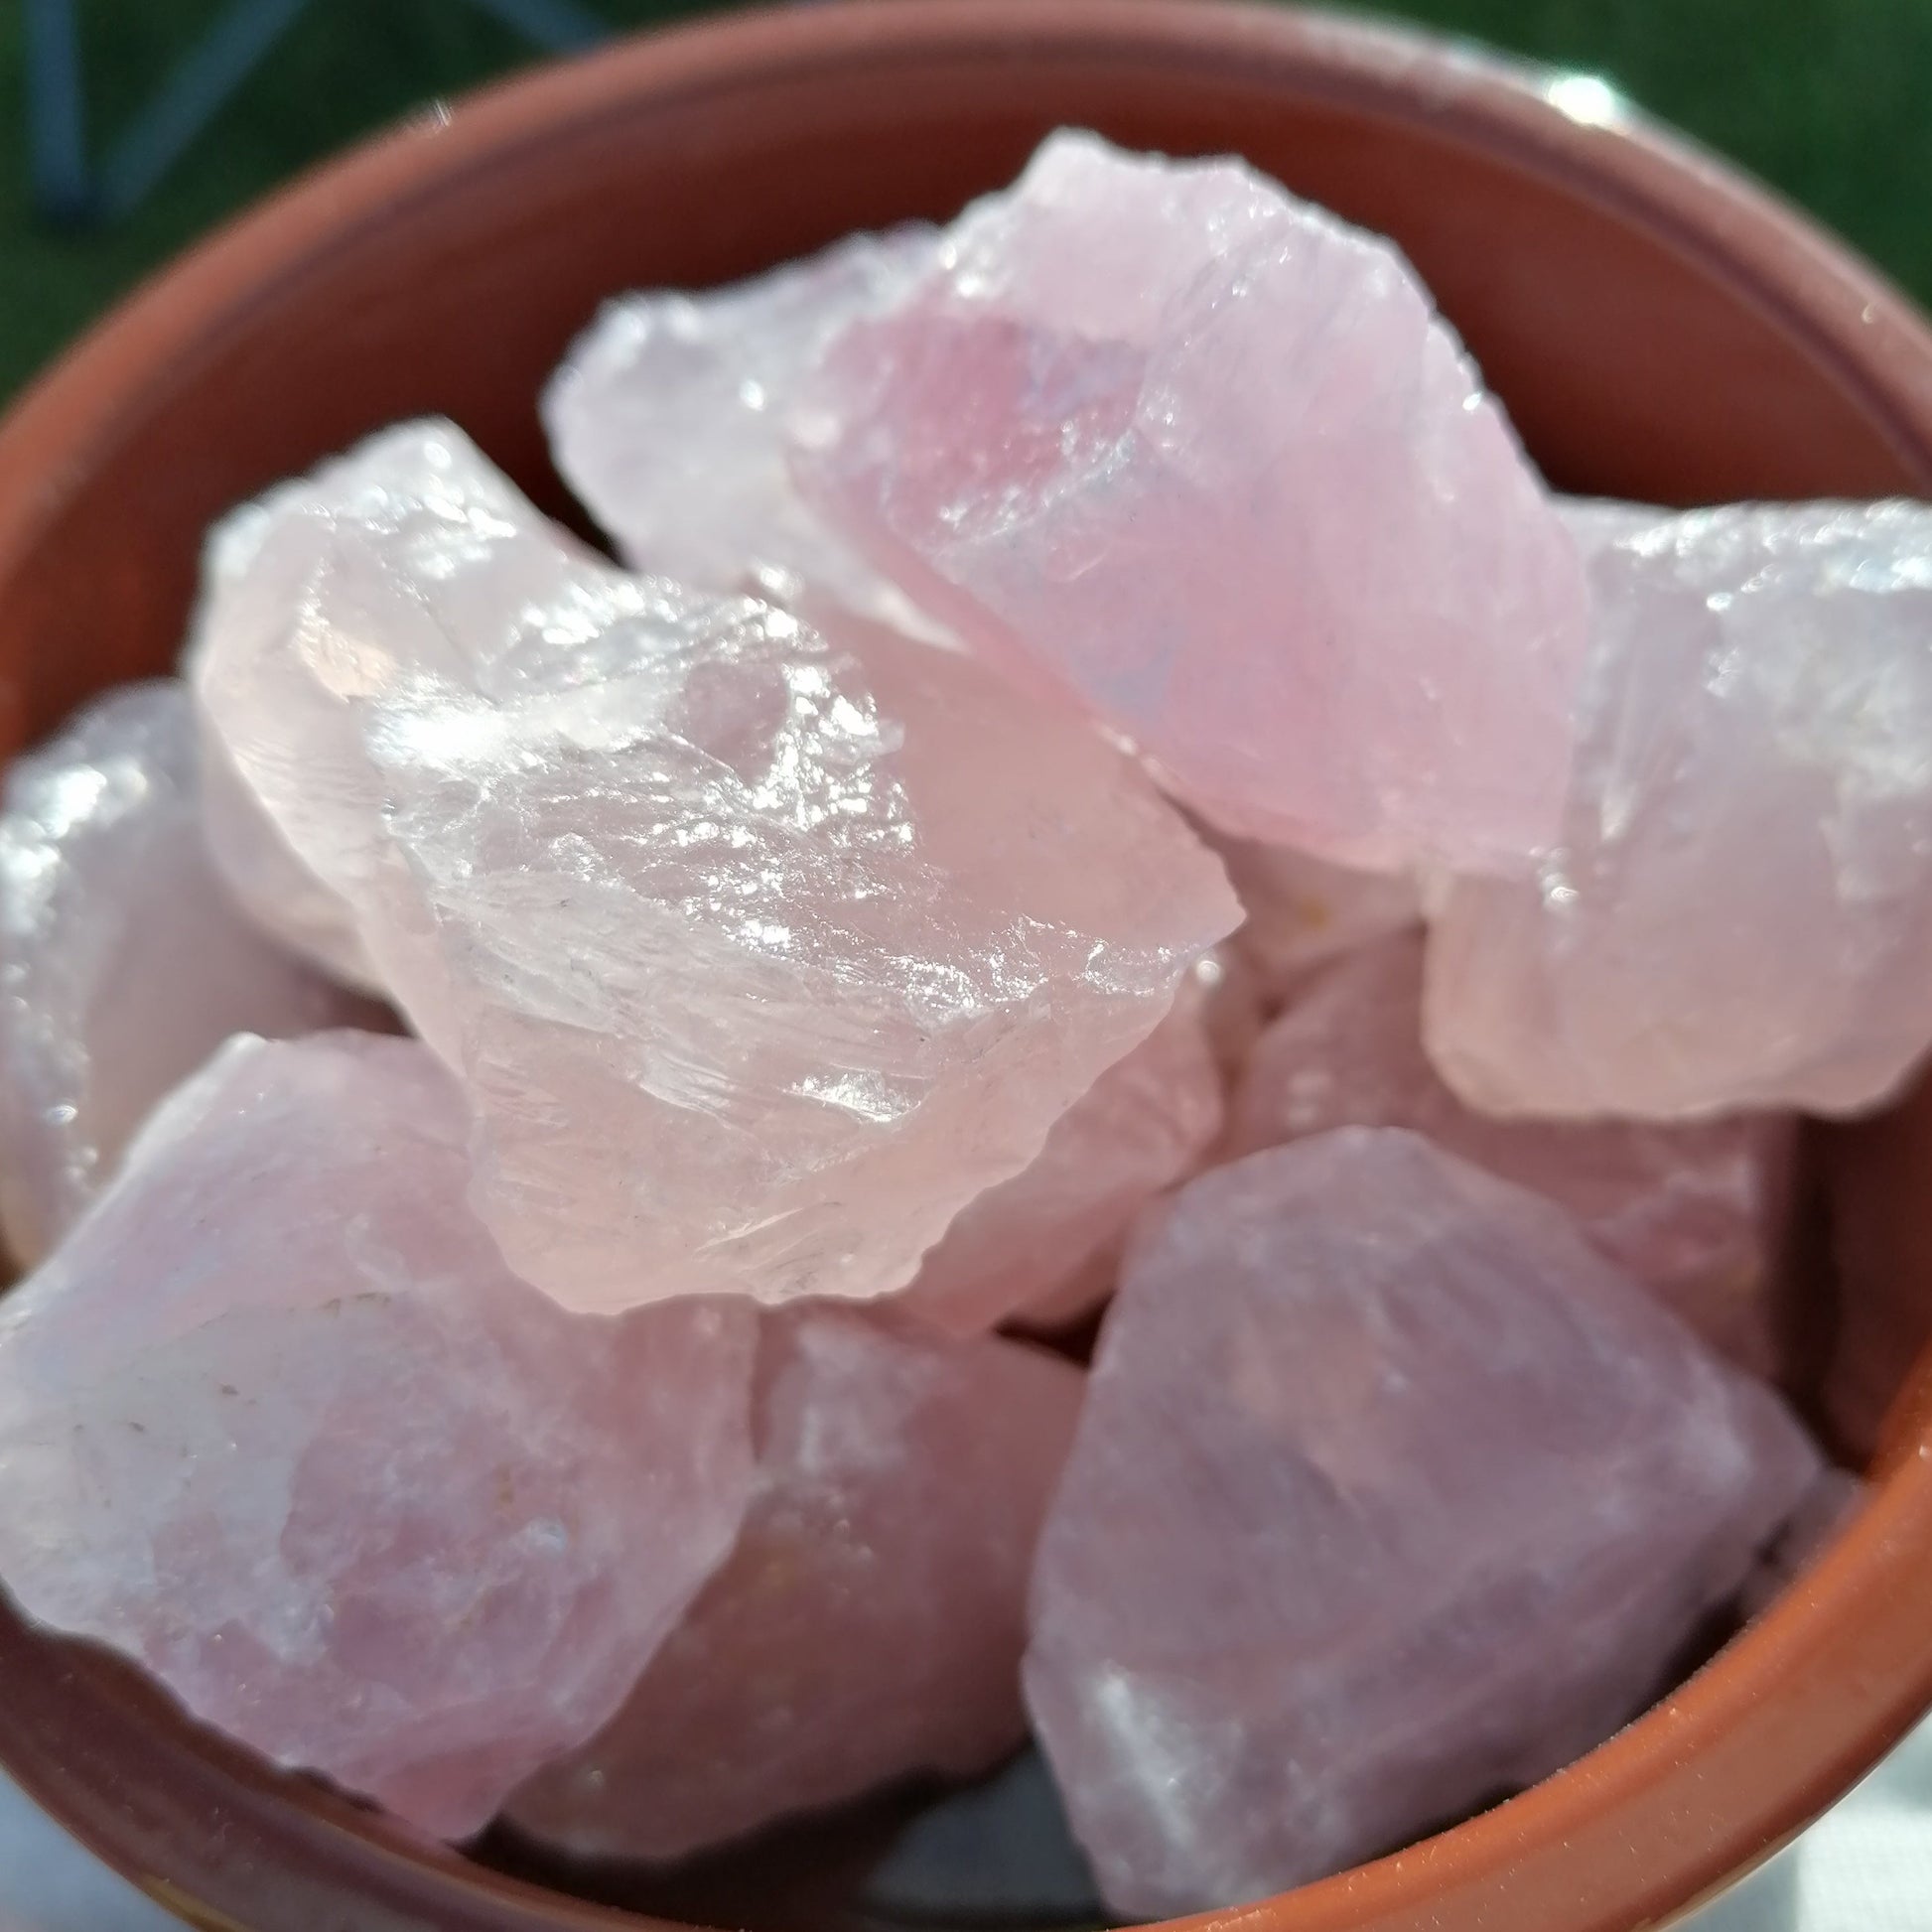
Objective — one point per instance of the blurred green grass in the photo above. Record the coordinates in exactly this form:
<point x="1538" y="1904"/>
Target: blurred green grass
<point x="1825" y="98"/>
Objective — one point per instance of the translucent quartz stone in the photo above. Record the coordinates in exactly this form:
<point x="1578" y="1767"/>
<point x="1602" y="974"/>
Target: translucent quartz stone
<point x="1740" y="911"/>
<point x="1045" y="1244"/>
<point x="668" y="420"/>
<point x="868" y="1623"/>
<point x="408" y="565"/>
<point x="123" y="960"/>
<point x="1159" y="438"/>
<point x="761" y="954"/>
<point x="1304" y="912"/>
<point x="276" y="1423"/>
<point x="1694" y="1210"/>
<point x="1390" y="1494"/>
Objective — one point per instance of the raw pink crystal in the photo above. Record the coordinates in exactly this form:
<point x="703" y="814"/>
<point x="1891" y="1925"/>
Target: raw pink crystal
<point x="1304" y="912"/>
<point x="769" y="956"/>
<point x="276" y="1422"/>
<point x="1044" y="1243"/>
<point x="123" y="961"/>
<point x="1693" y="1210"/>
<point x="411" y="567"/>
<point x="668" y="419"/>
<point x="1161" y="437"/>
<point x="1389" y="1494"/>
<point x="868" y="1623"/>
<point x="761" y="955"/>
<point x="1740" y="911"/>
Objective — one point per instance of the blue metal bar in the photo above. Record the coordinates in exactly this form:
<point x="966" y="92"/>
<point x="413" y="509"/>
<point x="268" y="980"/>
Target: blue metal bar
<point x="190" y="97"/>
<point x="201" y="82"/>
<point x="559" y="25"/>
<point x="55" y="132"/>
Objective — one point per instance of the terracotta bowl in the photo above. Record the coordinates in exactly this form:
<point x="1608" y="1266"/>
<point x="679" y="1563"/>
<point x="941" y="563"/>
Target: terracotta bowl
<point x="1658" y="328"/>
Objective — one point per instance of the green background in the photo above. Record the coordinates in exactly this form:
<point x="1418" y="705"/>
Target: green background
<point x="1827" y="98"/>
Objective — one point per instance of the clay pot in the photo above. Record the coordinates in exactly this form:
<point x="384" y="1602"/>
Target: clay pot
<point x="1657" y="329"/>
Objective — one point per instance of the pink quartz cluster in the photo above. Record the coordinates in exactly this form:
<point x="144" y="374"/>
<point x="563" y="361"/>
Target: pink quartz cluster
<point x="1104" y="787"/>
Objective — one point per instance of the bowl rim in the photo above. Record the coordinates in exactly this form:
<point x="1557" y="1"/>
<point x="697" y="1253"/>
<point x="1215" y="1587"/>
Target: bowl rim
<point x="1732" y="1764"/>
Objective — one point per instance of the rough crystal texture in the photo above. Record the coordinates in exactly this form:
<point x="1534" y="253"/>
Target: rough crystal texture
<point x="1044" y="1243"/>
<point x="868" y="1623"/>
<point x="123" y="961"/>
<point x="407" y="567"/>
<point x="1162" y="438"/>
<point x="1694" y="1210"/>
<point x="1739" y="910"/>
<point x="1388" y="1493"/>
<point x="668" y="419"/>
<point x="761" y="955"/>
<point x="1303" y="912"/>
<point x="277" y="1422"/>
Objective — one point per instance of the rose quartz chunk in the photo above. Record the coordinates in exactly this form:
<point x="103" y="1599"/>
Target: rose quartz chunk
<point x="1044" y="1243"/>
<point x="1694" y="1211"/>
<point x="1304" y="912"/>
<point x="1740" y="911"/>
<point x="761" y="954"/>
<point x="276" y="1423"/>
<point x="767" y="957"/>
<point x="868" y="1623"/>
<point x="409" y="567"/>
<point x="1200" y="455"/>
<point x="668" y="419"/>
<point x="1389" y="1494"/>
<point x="124" y="961"/>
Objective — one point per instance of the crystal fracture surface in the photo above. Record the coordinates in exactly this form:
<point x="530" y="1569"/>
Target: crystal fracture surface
<point x="1694" y="1210"/>
<point x="1739" y="909"/>
<point x="869" y="1621"/>
<point x="1388" y="1493"/>
<point x="668" y="419"/>
<point x="761" y="954"/>
<point x="276" y="1422"/>
<point x="1043" y="1243"/>
<point x="768" y="956"/>
<point x="1161" y="438"/>
<point x="410" y="570"/>
<point x="123" y="960"/>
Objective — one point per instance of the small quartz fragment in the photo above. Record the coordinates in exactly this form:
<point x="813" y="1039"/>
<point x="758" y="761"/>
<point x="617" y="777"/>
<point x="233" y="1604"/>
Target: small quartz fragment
<point x="1159" y="438"/>
<point x="123" y="961"/>
<point x="1739" y="912"/>
<point x="1304" y="912"/>
<point x="1044" y="1243"/>
<point x="868" y="1623"/>
<point x="761" y="953"/>
<point x="668" y="419"/>
<point x="276" y="1422"/>
<point x="1694" y="1210"/>
<point x="1389" y="1494"/>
